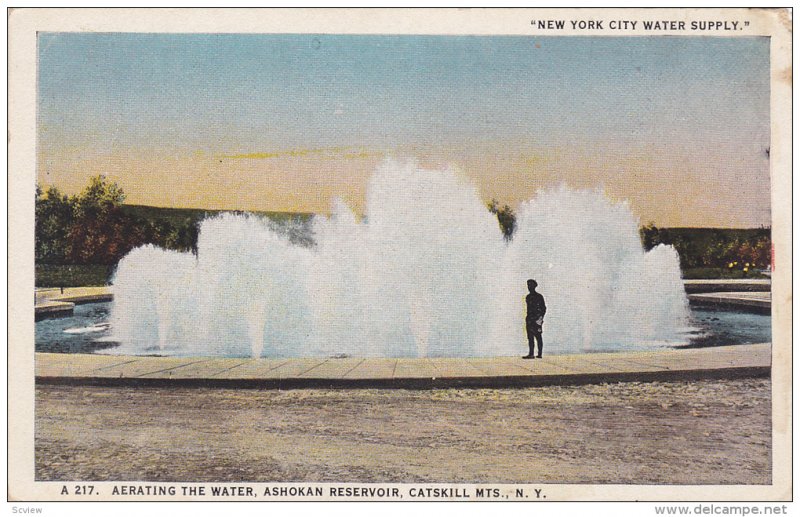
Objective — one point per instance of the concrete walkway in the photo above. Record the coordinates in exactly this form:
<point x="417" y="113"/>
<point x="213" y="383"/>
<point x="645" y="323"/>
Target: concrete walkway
<point x="61" y="302"/>
<point x="500" y="372"/>
<point x="74" y="294"/>
<point x="53" y="309"/>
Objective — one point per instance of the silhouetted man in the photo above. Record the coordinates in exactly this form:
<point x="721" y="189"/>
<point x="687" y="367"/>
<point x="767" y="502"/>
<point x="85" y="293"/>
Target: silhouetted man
<point x="534" y="319"/>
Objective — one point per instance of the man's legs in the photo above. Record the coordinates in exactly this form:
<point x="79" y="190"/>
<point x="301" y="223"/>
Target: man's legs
<point x="541" y="343"/>
<point x="531" y="342"/>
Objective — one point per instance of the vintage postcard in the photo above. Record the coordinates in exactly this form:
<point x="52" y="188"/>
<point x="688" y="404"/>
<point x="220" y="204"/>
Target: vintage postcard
<point x="400" y="255"/>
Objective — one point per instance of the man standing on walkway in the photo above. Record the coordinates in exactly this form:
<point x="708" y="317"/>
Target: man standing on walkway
<point x="534" y="319"/>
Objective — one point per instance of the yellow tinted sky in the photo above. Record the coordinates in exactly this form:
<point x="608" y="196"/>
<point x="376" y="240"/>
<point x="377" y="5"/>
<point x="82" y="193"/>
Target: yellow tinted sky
<point x="678" y="127"/>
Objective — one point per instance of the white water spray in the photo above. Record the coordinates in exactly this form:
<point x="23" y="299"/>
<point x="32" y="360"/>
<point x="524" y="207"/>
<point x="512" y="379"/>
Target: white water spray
<point x="426" y="274"/>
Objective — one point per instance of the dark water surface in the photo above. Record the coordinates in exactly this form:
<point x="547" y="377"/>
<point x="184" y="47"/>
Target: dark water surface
<point x="76" y="334"/>
<point x="87" y="330"/>
<point x="720" y="327"/>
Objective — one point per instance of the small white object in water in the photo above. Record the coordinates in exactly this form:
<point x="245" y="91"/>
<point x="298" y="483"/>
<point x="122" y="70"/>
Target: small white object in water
<point x="98" y="327"/>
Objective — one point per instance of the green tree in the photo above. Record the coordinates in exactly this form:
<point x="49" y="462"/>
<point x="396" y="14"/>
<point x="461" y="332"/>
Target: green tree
<point x="650" y="236"/>
<point x="714" y="254"/>
<point x="94" y="228"/>
<point x="54" y="217"/>
<point x="762" y="252"/>
<point x="98" y="199"/>
<point x="102" y="233"/>
<point x="683" y="248"/>
<point x="98" y="224"/>
<point x="506" y="218"/>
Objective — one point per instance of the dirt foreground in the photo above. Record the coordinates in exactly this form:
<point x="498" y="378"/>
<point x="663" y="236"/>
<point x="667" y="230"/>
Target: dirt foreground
<point x="716" y="432"/>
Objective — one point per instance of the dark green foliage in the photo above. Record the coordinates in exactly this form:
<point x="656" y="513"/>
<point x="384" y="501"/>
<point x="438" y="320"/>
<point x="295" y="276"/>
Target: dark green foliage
<point x="715" y="273"/>
<point x="72" y="275"/>
<point x="732" y="253"/>
<point x="177" y="216"/>
<point x="174" y="228"/>
<point x="91" y="227"/>
<point x="185" y="223"/>
<point x="94" y="228"/>
<point x="79" y="239"/>
<point x="506" y="218"/>
<point x="99" y="199"/>
<point x="54" y="219"/>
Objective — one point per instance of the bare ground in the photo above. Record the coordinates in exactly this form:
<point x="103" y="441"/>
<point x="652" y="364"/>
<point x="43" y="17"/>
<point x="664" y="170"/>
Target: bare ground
<point x="716" y="432"/>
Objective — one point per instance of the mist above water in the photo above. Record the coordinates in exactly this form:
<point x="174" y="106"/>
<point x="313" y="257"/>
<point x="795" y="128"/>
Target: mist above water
<point x="426" y="273"/>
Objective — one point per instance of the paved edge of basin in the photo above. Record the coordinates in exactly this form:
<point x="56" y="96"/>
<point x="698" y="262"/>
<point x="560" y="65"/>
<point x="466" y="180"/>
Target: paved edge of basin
<point x="744" y="301"/>
<point x="53" y="310"/>
<point x="66" y="300"/>
<point x="415" y="383"/>
<point x="725" y="285"/>
<point x="727" y="362"/>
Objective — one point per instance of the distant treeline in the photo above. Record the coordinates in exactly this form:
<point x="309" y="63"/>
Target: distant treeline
<point x="733" y="250"/>
<point x="703" y="252"/>
<point x="85" y="235"/>
<point x="95" y="227"/>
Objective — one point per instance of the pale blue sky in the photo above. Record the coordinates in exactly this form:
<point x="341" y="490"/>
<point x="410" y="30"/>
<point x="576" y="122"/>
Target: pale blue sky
<point x="176" y="94"/>
<point x="245" y="92"/>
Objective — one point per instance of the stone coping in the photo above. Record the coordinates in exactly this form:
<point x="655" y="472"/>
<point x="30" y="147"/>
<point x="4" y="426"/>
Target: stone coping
<point x="748" y="300"/>
<point x="406" y="373"/>
<point x="733" y="285"/>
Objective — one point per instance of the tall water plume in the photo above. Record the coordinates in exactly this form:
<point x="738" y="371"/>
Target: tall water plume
<point x="425" y="273"/>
